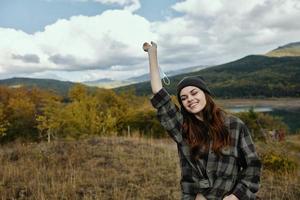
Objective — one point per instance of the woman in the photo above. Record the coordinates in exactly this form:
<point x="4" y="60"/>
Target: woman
<point x="217" y="156"/>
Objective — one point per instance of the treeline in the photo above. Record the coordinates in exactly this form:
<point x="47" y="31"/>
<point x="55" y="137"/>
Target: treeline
<point x="35" y="114"/>
<point x="60" y="87"/>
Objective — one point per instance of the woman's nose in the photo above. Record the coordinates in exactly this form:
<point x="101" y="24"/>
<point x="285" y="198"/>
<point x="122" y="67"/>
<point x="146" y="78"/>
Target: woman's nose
<point x="189" y="99"/>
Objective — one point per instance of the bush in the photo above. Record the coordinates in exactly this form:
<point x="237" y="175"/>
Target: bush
<point x="260" y="123"/>
<point x="278" y="163"/>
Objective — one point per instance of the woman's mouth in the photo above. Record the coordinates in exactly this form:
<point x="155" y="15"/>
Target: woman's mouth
<point x="193" y="105"/>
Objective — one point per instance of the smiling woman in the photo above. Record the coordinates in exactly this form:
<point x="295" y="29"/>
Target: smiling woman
<point x="217" y="155"/>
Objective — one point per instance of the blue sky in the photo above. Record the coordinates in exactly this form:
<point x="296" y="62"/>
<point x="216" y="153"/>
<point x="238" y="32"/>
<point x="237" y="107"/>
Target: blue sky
<point x="84" y="40"/>
<point x="33" y="15"/>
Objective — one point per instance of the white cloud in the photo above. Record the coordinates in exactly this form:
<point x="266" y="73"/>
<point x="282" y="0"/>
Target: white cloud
<point x="199" y="8"/>
<point x="208" y="32"/>
<point x="224" y="30"/>
<point x="81" y="43"/>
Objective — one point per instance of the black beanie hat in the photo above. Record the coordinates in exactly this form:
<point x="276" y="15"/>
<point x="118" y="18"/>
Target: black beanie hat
<point x="196" y="81"/>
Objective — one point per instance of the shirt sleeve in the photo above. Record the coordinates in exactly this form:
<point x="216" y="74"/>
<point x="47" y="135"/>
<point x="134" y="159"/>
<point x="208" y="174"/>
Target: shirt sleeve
<point x="249" y="177"/>
<point x="168" y="114"/>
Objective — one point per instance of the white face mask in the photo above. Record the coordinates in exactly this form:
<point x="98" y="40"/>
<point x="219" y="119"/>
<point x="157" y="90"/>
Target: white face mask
<point x="164" y="76"/>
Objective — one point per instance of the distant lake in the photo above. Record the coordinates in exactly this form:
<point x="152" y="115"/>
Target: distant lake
<point x="237" y="109"/>
<point x="289" y="116"/>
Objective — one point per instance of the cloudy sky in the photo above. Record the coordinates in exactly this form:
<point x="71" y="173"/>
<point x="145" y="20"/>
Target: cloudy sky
<point x="82" y="40"/>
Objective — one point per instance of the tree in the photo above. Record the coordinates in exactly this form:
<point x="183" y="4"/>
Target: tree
<point x="78" y="92"/>
<point x="3" y="122"/>
<point x="21" y="118"/>
<point x="81" y="118"/>
<point x="260" y="123"/>
<point x="49" y="122"/>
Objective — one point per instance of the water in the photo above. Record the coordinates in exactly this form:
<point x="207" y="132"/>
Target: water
<point x="238" y="109"/>
<point x="289" y="116"/>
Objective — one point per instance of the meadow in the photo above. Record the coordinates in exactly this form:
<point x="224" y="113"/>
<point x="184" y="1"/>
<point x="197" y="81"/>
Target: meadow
<point x="124" y="168"/>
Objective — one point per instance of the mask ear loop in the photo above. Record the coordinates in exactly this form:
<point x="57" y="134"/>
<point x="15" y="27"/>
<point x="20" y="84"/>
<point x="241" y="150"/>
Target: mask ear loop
<point x="164" y="76"/>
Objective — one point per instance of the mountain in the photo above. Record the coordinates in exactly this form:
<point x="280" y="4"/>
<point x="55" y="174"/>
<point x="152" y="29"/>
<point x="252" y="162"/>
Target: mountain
<point x="107" y="83"/>
<point x="251" y="76"/>
<point x="291" y="49"/>
<point x="110" y="83"/>
<point x="146" y="77"/>
<point x="61" y="87"/>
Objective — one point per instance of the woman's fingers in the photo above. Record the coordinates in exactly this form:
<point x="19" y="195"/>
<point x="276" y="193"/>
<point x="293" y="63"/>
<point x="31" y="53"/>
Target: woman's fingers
<point x="147" y="46"/>
<point x="153" y="44"/>
<point x="231" y="197"/>
<point x="200" y="197"/>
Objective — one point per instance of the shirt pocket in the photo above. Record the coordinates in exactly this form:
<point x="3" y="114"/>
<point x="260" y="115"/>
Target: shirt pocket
<point x="227" y="163"/>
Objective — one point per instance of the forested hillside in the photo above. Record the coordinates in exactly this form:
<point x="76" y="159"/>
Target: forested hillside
<point x="60" y="87"/>
<point x="251" y="76"/>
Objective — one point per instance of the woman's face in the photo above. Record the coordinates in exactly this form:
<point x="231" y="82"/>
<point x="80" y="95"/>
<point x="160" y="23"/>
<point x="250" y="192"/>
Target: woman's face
<point x="193" y="99"/>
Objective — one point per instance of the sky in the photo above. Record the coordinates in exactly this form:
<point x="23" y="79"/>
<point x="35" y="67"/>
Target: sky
<point x="86" y="40"/>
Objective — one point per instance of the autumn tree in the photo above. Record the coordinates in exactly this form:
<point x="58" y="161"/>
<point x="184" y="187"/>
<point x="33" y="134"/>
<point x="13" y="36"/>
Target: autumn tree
<point x="259" y="123"/>
<point x="78" y="92"/>
<point x="3" y="122"/>
<point x="21" y="117"/>
<point x="49" y="122"/>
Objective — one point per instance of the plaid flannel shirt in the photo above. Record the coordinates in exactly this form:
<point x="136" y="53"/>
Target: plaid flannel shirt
<point x="236" y="171"/>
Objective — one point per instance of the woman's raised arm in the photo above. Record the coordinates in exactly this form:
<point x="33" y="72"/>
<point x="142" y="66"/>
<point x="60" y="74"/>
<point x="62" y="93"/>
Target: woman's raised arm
<point x="156" y="84"/>
<point x="168" y="113"/>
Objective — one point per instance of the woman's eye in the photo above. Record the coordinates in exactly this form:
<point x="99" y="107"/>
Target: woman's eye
<point x="194" y="93"/>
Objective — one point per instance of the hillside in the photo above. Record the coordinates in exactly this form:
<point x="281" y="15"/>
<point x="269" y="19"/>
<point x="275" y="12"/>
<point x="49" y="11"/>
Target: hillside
<point x="251" y="76"/>
<point x="61" y="87"/>
<point x="110" y="83"/>
<point x="292" y="49"/>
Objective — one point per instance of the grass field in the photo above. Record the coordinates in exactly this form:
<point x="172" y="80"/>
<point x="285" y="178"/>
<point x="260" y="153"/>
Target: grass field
<point x="110" y="168"/>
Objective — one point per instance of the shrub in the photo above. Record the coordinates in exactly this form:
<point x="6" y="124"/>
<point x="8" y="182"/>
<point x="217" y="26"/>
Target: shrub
<point x="278" y="163"/>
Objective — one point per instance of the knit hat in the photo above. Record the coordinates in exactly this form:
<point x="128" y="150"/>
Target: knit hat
<point x="196" y="81"/>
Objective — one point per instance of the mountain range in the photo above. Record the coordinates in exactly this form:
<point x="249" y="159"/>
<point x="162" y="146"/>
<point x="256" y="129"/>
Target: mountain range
<point x="110" y="83"/>
<point x="251" y="76"/>
<point x="276" y="73"/>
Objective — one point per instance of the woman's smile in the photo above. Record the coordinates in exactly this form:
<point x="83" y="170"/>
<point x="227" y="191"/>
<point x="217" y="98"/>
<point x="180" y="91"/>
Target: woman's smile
<point x="193" y="105"/>
<point x="193" y="99"/>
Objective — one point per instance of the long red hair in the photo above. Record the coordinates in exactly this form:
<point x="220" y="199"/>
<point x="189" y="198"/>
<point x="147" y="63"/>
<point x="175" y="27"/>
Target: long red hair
<point x="199" y="134"/>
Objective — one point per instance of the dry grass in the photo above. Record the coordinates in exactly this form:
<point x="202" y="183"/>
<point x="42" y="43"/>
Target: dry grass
<point x="281" y="184"/>
<point x="102" y="168"/>
<point x="105" y="168"/>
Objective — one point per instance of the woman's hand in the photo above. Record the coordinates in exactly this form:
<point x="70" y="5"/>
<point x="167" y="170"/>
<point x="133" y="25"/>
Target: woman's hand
<point x="150" y="48"/>
<point x="200" y="197"/>
<point x="231" y="197"/>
